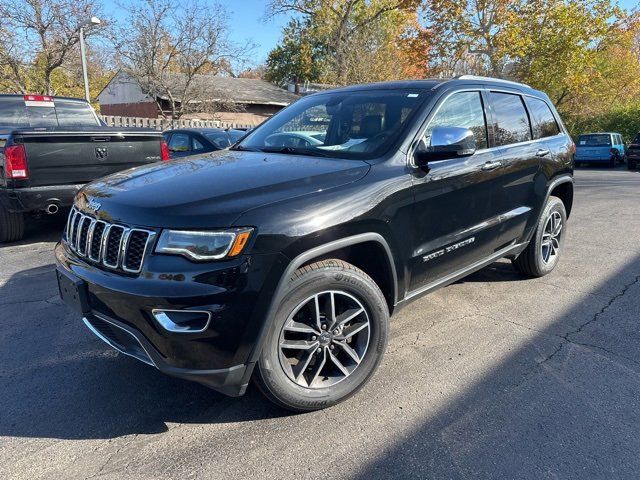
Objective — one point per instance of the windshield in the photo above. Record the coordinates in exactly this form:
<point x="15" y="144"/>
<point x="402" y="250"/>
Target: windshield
<point x="595" y="140"/>
<point x="14" y="112"/>
<point x="338" y="124"/>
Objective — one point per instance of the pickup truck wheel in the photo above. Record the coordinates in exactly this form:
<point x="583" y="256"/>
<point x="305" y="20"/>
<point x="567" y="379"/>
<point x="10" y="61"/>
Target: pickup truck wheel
<point x="543" y="252"/>
<point x="631" y="164"/>
<point x="328" y="337"/>
<point x="11" y="225"/>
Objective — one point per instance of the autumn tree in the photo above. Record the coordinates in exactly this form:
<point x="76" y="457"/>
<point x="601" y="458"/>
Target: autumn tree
<point x="350" y="40"/>
<point x="38" y="38"/>
<point x="169" y="48"/>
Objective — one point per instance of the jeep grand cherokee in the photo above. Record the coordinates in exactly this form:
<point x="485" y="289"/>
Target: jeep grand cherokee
<point x="283" y="258"/>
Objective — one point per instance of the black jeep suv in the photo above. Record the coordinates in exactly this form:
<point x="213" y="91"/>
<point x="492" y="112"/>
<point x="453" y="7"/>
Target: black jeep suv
<point x="283" y="258"/>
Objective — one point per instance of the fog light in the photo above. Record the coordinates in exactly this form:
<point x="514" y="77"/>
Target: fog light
<point x="183" y="321"/>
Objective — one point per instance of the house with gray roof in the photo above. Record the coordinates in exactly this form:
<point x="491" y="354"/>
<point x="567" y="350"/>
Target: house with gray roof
<point x="246" y="101"/>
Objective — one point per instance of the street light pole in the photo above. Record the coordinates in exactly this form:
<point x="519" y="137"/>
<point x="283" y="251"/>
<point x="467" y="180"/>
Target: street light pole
<point x="83" y="55"/>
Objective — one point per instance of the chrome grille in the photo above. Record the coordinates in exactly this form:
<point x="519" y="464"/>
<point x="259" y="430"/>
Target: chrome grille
<point x="113" y="246"/>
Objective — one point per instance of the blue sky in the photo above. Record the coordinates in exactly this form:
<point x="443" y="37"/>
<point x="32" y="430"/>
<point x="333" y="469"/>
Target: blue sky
<point x="247" y="22"/>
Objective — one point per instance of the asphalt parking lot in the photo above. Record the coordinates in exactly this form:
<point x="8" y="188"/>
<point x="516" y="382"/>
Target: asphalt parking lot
<point x="497" y="376"/>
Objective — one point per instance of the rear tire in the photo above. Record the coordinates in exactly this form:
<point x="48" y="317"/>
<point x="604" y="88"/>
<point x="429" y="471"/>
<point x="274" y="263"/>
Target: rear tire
<point x="631" y="164"/>
<point x="310" y="361"/>
<point x="543" y="252"/>
<point x="11" y="225"/>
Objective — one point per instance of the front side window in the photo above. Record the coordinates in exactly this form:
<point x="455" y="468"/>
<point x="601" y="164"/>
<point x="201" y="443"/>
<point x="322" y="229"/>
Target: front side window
<point x="543" y="122"/>
<point x="357" y="124"/>
<point x="511" y="123"/>
<point x="180" y="142"/>
<point x="463" y="109"/>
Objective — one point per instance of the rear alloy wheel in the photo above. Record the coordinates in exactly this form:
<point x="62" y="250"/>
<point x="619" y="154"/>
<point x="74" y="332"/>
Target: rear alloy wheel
<point x="328" y="337"/>
<point x="543" y="252"/>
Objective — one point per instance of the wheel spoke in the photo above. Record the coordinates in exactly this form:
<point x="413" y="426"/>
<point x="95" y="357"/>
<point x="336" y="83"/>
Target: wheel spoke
<point x="293" y="326"/>
<point x="351" y="330"/>
<point x="298" y="344"/>
<point x="347" y="316"/>
<point x="300" y="368"/>
<point x="317" y="368"/>
<point x="316" y="301"/>
<point x="332" y="310"/>
<point x="338" y="364"/>
<point x="349" y="351"/>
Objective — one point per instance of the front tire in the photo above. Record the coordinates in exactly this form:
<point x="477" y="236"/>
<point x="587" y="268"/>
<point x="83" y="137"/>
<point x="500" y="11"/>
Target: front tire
<point x="329" y="335"/>
<point x="11" y="225"/>
<point x="543" y="252"/>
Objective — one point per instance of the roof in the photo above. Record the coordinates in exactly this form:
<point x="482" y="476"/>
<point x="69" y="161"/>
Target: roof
<point x="432" y="83"/>
<point x="55" y="97"/>
<point x="239" y="90"/>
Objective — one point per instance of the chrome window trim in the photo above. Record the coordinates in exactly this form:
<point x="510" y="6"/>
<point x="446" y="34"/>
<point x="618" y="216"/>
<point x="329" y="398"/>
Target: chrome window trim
<point x="480" y="89"/>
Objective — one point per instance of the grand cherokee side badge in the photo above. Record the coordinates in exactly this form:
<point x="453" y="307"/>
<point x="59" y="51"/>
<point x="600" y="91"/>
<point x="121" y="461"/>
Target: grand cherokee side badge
<point x="448" y="249"/>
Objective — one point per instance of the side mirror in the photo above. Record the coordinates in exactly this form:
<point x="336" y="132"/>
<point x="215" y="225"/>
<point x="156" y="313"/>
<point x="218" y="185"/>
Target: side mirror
<point x="446" y="142"/>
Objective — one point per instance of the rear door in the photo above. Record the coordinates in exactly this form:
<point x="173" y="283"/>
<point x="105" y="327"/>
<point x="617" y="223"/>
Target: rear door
<point x="515" y="196"/>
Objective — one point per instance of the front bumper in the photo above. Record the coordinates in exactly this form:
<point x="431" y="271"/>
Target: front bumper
<point x="33" y="199"/>
<point x="236" y="292"/>
<point x="231" y="381"/>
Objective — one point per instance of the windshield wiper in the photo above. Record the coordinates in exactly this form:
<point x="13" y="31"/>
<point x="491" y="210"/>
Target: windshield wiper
<point x="296" y="151"/>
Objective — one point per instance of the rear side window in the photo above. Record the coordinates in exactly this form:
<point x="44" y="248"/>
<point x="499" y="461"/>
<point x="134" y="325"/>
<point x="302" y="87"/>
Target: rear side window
<point x="511" y="123"/>
<point x="463" y="109"/>
<point x="219" y="139"/>
<point x="543" y="122"/>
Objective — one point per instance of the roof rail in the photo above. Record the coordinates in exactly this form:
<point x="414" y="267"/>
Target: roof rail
<point x="490" y="79"/>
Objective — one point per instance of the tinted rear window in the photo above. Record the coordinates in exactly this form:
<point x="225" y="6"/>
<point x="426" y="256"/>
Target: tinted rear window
<point x="595" y="140"/>
<point x="64" y="113"/>
<point x="511" y="123"/>
<point x="543" y="122"/>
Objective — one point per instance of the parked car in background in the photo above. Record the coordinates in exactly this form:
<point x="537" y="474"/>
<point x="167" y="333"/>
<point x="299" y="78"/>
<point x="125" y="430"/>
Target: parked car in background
<point x="183" y="142"/>
<point x="603" y="148"/>
<point x="51" y="146"/>
<point x="284" y="263"/>
<point x="633" y="153"/>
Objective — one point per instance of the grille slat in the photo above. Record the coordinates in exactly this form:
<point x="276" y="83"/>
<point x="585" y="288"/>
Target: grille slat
<point x="113" y="246"/>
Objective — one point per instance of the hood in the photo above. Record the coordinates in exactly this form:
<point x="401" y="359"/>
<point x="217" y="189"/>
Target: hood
<point x="212" y="190"/>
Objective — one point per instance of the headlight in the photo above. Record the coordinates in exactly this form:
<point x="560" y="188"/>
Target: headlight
<point x="204" y="246"/>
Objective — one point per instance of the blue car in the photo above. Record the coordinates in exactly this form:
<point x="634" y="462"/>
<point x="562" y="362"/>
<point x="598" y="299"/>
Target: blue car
<point x="604" y="148"/>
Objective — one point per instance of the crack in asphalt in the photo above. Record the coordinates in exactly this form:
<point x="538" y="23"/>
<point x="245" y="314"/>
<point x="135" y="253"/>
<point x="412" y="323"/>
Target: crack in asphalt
<point x="567" y="336"/>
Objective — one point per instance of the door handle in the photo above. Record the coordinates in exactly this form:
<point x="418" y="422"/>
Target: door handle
<point x="542" y="153"/>
<point x="491" y="165"/>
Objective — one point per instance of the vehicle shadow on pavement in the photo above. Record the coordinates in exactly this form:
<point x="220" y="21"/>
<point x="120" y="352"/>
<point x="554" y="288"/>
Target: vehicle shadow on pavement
<point x="563" y="404"/>
<point x="59" y="381"/>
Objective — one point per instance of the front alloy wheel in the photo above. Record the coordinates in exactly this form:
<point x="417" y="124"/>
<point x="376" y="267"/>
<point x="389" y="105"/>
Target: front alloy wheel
<point x="324" y="339"/>
<point x="328" y="337"/>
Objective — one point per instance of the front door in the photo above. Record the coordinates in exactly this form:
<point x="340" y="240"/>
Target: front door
<point x="455" y="217"/>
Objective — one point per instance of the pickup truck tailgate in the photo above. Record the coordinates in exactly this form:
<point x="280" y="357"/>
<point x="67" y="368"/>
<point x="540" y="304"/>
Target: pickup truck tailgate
<point x="58" y="158"/>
